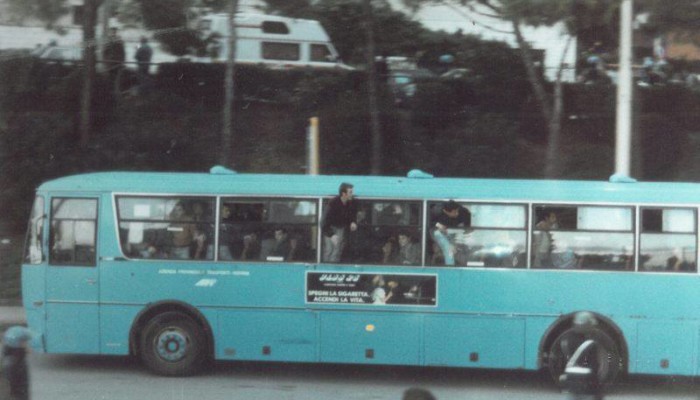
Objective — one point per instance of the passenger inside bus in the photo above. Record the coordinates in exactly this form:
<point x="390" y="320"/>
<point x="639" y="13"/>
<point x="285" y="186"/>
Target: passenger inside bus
<point x="280" y="247"/>
<point x="455" y="216"/>
<point x="203" y="244"/>
<point x="182" y="231"/>
<point x="543" y="243"/>
<point x="401" y="250"/>
<point x="226" y="234"/>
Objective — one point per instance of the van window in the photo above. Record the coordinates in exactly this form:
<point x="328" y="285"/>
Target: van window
<point x="275" y="27"/>
<point x="280" y="51"/>
<point x="321" y="53"/>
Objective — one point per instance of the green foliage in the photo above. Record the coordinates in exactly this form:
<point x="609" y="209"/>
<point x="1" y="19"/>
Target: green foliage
<point x="47" y="11"/>
<point x="169" y="19"/>
<point x="681" y="16"/>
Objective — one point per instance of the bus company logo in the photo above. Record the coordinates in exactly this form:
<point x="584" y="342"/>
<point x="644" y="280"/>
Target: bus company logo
<point x="339" y="278"/>
<point x="206" y="282"/>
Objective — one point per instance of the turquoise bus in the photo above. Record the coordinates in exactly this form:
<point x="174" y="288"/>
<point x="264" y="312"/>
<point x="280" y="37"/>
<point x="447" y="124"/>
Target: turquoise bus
<point x="182" y="268"/>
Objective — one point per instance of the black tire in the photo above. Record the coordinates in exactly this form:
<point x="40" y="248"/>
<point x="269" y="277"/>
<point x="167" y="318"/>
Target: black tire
<point x="172" y="344"/>
<point x="609" y="356"/>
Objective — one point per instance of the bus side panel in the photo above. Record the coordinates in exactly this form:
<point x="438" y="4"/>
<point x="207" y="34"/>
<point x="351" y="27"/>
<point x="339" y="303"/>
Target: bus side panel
<point x="666" y="348"/>
<point x="115" y="323"/>
<point x="480" y="342"/>
<point x="266" y="335"/>
<point x="535" y="329"/>
<point x="72" y="328"/>
<point x="33" y="293"/>
<point x="371" y="338"/>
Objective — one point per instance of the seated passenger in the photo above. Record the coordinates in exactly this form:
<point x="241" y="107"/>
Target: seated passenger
<point x="402" y="251"/>
<point x="409" y="251"/>
<point x="281" y="247"/>
<point x="251" y="246"/>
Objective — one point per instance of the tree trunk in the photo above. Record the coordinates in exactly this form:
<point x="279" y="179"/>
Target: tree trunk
<point x="553" y="167"/>
<point x="90" y="20"/>
<point x="227" y="128"/>
<point x="375" y="126"/>
<point x="550" y="113"/>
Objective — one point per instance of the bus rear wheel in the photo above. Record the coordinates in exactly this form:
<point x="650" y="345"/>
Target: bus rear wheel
<point x="172" y="344"/>
<point x="609" y="357"/>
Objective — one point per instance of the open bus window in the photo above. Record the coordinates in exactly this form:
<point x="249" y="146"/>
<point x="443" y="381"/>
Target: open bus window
<point x="668" y="240"/>
<point x="73" y="231"/>
<point x="583" y="237"/>
<point x="177" y="228"/>
<point x="33" y="248"/>
<point x="272" y="230"/>
<point x="496" y="236"/>
<point x="388" y="232"/>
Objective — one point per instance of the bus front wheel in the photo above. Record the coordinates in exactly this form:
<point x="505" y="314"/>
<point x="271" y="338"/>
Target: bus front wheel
<point x="610" y="360"/>
<point x="172" y="344"/>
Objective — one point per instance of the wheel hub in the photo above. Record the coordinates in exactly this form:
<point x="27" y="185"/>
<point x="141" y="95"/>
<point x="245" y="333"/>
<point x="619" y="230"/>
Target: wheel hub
<point x="171" y="345"/>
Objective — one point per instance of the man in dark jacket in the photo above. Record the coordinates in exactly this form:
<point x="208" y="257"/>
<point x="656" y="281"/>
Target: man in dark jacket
<point x="143" y="56"/>
<point x="341" y="217"/>
<point x="113" y="54"/>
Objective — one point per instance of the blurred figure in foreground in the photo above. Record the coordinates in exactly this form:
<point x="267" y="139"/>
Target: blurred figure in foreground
<point x="581" y="378"/>
<point x="417" y="394"/>
<point x="14" y="375"/>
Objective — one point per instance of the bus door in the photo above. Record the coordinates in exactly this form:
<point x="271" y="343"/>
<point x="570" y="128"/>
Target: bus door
<point x="72" y="289"/>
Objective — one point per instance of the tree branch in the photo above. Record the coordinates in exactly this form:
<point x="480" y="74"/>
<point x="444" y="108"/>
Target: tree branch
<point x="475" y="22"/>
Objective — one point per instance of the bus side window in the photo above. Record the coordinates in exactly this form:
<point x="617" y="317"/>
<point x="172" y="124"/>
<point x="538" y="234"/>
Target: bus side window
<point x="583" y="237"/>
<point x="73" y="231"/>
<point x="272" y="230"/>
<point x="668" y="240"/>
<point x="388" y="232"/>
<point x="498" y="236"/>
<point x="178" y="228"/>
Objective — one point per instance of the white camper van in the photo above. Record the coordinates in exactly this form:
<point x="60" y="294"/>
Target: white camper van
<point x="278" y="42"/>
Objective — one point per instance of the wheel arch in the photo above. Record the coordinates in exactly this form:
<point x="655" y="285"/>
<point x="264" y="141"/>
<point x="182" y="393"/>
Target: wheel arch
<point x="565" y="322"/>
<point x="165" y="306"/>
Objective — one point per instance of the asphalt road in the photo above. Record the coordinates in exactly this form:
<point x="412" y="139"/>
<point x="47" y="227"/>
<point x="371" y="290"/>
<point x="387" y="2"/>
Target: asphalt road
<point x="59" y="377"/>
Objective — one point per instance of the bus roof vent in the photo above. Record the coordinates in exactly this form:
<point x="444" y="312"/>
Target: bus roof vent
<point x="416" y="173"/>
<point x="621" y="178"/>
<point x="219" y="170"/>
